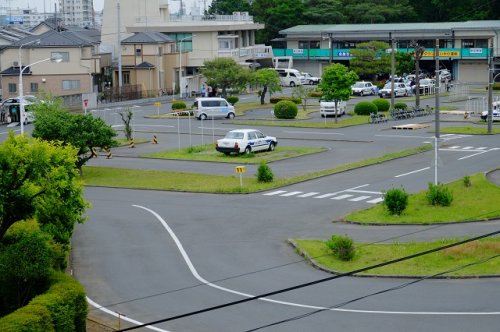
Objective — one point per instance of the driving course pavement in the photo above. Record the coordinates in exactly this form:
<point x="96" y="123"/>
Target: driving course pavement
<point x="151" y="255"/>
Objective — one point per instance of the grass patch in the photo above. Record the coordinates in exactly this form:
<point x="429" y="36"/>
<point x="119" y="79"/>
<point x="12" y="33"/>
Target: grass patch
<point x="430" y="264"/>
<point x="469" y="130"/>
<point x="207" y="152"/>
<point x="343" y="121"/>
<point x="163" y="180"/>
<point x="477" y="202"/>
<point x="125" y="142"/>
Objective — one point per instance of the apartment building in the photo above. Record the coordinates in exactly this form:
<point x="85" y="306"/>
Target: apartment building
<point x="77" y="12"/>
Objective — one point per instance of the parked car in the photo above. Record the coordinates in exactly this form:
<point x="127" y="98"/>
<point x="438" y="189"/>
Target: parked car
<point x="213" y="107"/>
<point x="363" y="88"/>
<point x="427" y="85"/>
<point x="444" y="75"/>
<point x="11" y="107"/>
<point x="311" y="80"/>
<point x="327" y="108"/>
<point x="496" y="112"/>
<point x="399" y="90"/>
<point x="245" y="141"/>
<point x="290" y="77"/>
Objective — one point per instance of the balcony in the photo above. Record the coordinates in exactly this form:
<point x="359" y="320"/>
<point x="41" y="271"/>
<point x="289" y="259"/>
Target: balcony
<point x="247" y="53"/>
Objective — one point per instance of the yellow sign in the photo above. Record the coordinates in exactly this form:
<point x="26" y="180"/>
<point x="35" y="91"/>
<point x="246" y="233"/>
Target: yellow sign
<point x="157" y="104"/>
<point x="442" y="53"/>
<point x="240" y="169"/>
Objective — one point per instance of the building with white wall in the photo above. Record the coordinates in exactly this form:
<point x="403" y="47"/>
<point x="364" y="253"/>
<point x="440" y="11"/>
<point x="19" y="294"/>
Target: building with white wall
<point x="77" y="12"/>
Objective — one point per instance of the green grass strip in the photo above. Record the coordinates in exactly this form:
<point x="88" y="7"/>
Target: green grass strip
<point x="178" y="181"/>
<point x="430" y="264"/>
<point x="469" y="130"/>
<point x="477" y="202"/>
<point x="207" y="152"/>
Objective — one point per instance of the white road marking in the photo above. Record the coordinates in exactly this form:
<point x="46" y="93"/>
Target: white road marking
<point x="468" y="147"/>
<point x="472" y="155"/>
<point x="310" y="132"/>
<point x="481" y="148"/>
<point x="341" y="197"/>
<point x="401" y="136"/>
<point x="308" y="194"/>
<point x="376" y="200"/>
<point x="360" y="198"/>
<point x="364" y="192"/>
<point x="275" y="193"/>
<point x="292" y="193"/>
<point x="194" y="272"/>
<point x="326" y="195"/>
<point x="412" y="172"/>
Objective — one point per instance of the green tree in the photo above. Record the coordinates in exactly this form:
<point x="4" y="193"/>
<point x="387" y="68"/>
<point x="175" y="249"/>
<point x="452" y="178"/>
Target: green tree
<point x="336" y="83"/>
<point x="324" y="12"/>
<point x="378" y="11"/>
<point x="81" y="131"/>
<point x="269" y="80"/>
<point x="127" y="119"/>
<point x="370" y="59"/>
<point x="276" y="15"/>
<point x="224" y="73"/>
<point x="228" y="7"/>
<point x="404" y="63"/>
<point x="304" y="93"/>
<point x="39" y="178"/>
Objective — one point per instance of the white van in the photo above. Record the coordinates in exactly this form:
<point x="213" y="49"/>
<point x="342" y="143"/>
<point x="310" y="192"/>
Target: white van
<point x="213" y="107"/>
<point x="327" y="108"/>
<point x="290" y="77"/>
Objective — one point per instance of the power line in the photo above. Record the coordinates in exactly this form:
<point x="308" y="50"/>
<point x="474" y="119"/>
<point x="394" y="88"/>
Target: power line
<point x="375" y="293"/>
<point x="303" y="285"/>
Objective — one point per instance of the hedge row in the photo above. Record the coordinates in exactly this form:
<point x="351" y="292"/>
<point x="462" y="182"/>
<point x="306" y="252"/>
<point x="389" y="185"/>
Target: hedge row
<point x="63" y="308"/>
<point x="275" y="100"/>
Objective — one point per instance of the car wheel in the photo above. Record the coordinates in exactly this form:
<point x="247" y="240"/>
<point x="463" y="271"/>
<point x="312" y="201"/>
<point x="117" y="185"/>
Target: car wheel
<point x="230" y="116"/>
<point x="227" y="153"/>
<point x="202" y="116"/>
<point x="292" y="84"/>
<point x="271" y="146"/>
<point x="248" y="150"/>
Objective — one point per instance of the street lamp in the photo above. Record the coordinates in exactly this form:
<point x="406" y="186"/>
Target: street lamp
<point x="55" y="58"/>
<point x="180" y="64"/>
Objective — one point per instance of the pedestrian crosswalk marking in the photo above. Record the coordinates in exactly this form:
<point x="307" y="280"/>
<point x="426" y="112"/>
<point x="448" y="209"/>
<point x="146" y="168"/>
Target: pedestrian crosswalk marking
<point x="342" y="197"/>
<point x="468" y="147"/>
<point x="376" y="200"/>
<point x="326" y="195"/>
<point x="275" y="193"/>
<point x="293" y="193"/>
<point x="360" y="198"/>
<point x="308" y="194"/>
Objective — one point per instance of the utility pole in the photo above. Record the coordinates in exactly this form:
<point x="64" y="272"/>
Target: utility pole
<point x="436" y="113"/>
<point x="119" y="48"/>
<point x="393" y="70"/>
<point x="418" y="53"/>
<point x="491" y="67"/>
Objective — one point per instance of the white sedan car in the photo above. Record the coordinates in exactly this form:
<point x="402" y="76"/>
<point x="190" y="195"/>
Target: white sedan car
<point x="245" y="141"/>
<point x="311" y="80"/>
<point x="399" y="90"/>
<point x="363" y="88"/>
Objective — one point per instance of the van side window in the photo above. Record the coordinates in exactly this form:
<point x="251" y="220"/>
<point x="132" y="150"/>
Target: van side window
<point x="223" y="103"/>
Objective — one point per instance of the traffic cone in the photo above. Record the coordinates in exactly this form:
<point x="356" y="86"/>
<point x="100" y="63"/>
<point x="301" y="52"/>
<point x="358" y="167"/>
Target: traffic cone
<point x="155" y="140"/>
<point x="131" y="144"/>
<point x="109" y="155"/>
<point x="93" y="153"/>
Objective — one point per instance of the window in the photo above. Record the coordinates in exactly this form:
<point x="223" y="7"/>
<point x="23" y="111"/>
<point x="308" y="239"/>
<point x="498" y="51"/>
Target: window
<point x="468" y="43"/>
<point x="126" y="77"/>
<point x="138" y="51"/>
<point x="225" y="44"/>
<point x="33" y="87"/>
<point x="64" y="55"/>
<point x="71" y="84"/>
<point x="309" y="44"/>
<point x="12" y="87"/>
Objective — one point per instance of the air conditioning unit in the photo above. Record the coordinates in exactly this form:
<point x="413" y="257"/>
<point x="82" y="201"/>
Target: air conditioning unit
<point x="15" y="64"/>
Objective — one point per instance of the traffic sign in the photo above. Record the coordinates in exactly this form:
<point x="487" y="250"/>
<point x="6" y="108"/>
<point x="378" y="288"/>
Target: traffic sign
<point x="86" y="102"/>
<point x="240" y="169"/>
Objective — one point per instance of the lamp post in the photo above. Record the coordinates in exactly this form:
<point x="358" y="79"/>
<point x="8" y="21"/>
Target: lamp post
<point x="180" y="63"/>
<point x="55" y="58"/>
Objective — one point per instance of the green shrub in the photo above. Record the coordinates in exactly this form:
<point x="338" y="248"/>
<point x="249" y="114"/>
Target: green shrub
<point x="233" y="99"/>
<point x="275" y="100"/>
<point x="382" y="104"/>
<point x="400" y="106"/>
<point x="365" y="108"/>
<point x="396" y="200"/>
<point x="264" y="173"/>
<point x="467" y="181"/>
<point x="439" y="195"/>
<point x="62" y="308"/>
<point x="342" y="247"/>
<point x="285" y="109"/>
<point x="178" y="105"/>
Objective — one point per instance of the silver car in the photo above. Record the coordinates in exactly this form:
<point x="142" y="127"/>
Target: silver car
<point x="11" y="107"/>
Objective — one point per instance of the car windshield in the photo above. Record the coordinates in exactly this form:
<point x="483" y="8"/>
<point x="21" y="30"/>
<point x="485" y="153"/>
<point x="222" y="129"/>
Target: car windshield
<point x="388" y="86"/>
<point x="234" y="135"/>
<point x="30" y="99"/>
<point x="359" y="85"/>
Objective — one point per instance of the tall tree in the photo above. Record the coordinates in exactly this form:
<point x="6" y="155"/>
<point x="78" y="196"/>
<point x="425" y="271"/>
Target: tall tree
<point x="276" y="15"/>
<point x="404" y="63"/>
<point x="269" y="80"/>
<point x="324" y="12"/>
<point x="81" y="131"/>
<point x="379" y="11"/>
<point x="228" y="7"/>
<point x="224" y="73"/>
<point x="39" y="178"/>
<point x="336" y="83"/>
<point x="370" y="59"/>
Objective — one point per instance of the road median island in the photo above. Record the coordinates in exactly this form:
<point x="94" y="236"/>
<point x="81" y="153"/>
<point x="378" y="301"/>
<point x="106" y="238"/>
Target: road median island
<point x="195" y="182"/>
